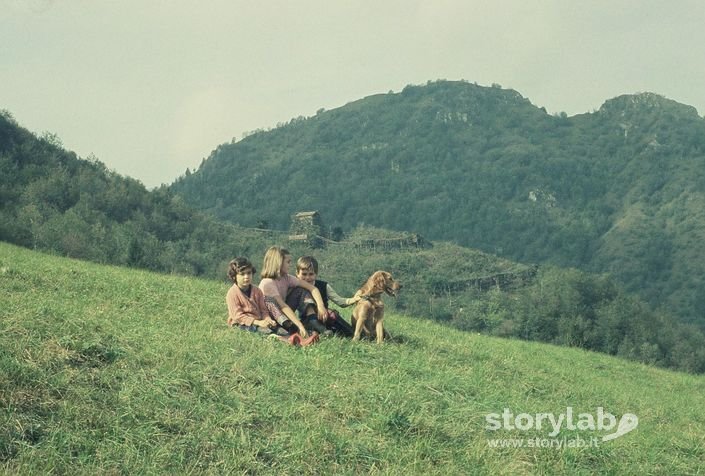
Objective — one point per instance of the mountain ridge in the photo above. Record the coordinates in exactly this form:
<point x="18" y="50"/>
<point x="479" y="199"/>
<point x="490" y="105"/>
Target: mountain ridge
<point x="484" y="167"/>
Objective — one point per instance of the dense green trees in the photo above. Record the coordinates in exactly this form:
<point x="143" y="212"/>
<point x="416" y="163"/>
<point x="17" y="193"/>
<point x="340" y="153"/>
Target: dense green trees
<point x="54" y="201"/>
<point x="570" y="308"/>
<point x="619" y="190"/>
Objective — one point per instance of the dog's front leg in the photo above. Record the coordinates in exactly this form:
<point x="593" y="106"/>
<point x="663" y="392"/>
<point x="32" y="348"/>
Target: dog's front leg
<point x="359" y="323"/>
<point x="379" y="328"/>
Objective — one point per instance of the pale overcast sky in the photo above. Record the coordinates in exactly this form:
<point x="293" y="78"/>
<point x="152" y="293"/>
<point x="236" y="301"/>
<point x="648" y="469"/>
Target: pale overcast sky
<point x="151" y="87"/>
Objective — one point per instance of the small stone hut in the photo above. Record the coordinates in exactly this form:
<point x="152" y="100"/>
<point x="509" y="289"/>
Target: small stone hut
<point x="305" y="225"/>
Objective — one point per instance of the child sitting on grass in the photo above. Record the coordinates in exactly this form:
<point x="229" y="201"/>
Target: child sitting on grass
<point x="246" y="307"/>
<point x="284" y="292"/>
<point x="307" y="270"/>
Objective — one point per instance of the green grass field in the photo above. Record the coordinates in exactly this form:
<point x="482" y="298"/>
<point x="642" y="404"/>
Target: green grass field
<point x="107" y="370"/>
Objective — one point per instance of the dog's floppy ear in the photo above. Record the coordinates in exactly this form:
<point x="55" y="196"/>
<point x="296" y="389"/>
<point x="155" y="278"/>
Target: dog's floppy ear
<point x="379" y="280"/>
<point x="366" y="287"/>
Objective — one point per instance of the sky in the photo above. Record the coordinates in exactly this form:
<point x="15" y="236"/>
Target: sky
<point x="151" y="87"/>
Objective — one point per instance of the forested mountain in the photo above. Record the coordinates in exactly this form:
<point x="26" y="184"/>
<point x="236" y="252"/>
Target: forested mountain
<point x="618" y="190"/>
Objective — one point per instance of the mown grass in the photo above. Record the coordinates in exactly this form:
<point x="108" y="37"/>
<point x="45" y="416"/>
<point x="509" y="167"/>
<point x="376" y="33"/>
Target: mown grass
<point x="105" y="370"/>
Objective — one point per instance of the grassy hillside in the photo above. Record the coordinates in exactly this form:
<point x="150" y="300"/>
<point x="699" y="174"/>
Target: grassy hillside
<point x="106" y="370"/>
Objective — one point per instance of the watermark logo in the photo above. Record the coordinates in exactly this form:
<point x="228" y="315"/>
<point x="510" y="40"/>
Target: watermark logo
<point x="600" y="421"/>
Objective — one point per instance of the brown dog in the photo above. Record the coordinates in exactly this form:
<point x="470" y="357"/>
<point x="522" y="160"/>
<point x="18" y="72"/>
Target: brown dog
<point x="369" y="311"/>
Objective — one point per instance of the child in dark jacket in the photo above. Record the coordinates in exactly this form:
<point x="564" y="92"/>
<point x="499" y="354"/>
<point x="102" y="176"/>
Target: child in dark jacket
<point x="307" y="270"/>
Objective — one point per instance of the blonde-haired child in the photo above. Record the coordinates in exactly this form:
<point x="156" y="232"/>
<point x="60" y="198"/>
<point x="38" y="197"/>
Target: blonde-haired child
<point x="278" y="287"/>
